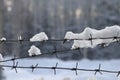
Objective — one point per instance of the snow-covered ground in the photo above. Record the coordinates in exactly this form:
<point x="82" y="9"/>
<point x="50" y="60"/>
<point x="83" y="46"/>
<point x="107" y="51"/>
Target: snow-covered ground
<point x="42" y="74"/>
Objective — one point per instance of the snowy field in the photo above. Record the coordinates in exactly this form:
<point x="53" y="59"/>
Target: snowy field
<point x="40" y="74"/>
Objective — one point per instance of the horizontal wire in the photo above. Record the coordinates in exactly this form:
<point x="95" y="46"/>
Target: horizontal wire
<point x="61" y="68"/>
<point x="50" y="53"/>
<point x="23" y="40"/>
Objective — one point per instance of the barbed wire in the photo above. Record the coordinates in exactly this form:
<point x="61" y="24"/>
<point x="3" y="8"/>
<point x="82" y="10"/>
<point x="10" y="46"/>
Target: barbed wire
<point x="16" y="66"/>
<point x="117" y="38"/>
<point x="56" y="51"/>
<point x="55" y="68"/>
<point x="33" y="56"/>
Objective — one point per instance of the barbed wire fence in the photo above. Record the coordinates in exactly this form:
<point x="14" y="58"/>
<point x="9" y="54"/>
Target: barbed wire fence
<point x="99" y="70"/>
<point x="15" y="64"/>
<point x="116" y="37"/>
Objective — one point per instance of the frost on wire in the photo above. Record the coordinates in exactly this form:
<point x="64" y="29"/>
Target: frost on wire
<point x="33" y="51"/>
<point x="95" y="36"/>
<point x="3" y="39"/>
<point x="39" y="37"/>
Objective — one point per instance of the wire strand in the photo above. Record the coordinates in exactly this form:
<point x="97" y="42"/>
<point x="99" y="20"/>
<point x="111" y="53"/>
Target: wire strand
<point x="33" y="67"/>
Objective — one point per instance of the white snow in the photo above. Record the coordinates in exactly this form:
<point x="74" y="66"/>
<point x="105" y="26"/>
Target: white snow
<point x="1" y="58"/>
<point x="34" y="51"/>
<point x="20" y="37"/>
<point x="39" y="37"/>
<point x="111" y="31"/>
<point x="3" y="39"/>
<point x="48" y="74"/>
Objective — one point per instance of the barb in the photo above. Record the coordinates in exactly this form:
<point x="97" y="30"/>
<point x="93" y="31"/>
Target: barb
<point x="90" y="39"/>
<point x="118" y="73"/>
<point x="64" y="41"/>
<point x="116" y="37"/>
<point x="15" y="64"/>
<point x="98" y="70"/>
<point x="33" y="67"/>
<point x="55" y="68"/>
<point x="75" y="69"/>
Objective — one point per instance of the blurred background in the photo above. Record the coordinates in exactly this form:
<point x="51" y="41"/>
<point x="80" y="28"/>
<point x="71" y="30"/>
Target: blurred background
<point x="55" y="18"/>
